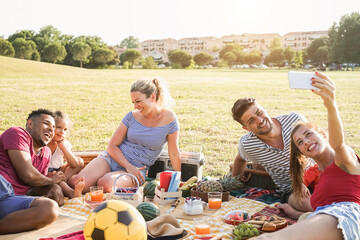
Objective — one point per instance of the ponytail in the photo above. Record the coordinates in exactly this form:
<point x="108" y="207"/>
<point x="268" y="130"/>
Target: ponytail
<point x="157" y="86"/>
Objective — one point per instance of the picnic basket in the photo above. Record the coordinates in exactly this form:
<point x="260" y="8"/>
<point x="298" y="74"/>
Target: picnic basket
<point x="132" y="195"/>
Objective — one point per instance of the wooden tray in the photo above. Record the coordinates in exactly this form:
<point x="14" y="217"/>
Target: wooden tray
<point x="179" y="213"/>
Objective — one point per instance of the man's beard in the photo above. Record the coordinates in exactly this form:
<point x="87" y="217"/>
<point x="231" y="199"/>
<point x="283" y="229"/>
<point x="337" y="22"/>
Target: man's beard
<point x="268" y="130"/>
<point x="42" y="143"/>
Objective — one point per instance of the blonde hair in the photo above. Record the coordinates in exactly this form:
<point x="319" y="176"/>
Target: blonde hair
<point x="157" y="86"/>
<point x="298" y="161"/>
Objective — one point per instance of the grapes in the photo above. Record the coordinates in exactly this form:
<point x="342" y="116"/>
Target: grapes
<point x="245" y="230"/>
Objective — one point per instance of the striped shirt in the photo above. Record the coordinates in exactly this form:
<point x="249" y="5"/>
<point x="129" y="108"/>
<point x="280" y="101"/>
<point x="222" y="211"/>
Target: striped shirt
<point x="275" y="161"/>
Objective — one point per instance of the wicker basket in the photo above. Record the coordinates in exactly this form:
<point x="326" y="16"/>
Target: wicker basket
<point x="204" y="195"/>
<point x="87" y="156"/>
<point x="134" y="197"/>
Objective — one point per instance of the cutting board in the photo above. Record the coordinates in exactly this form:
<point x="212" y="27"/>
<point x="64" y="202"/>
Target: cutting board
<point x="179" y="213"/>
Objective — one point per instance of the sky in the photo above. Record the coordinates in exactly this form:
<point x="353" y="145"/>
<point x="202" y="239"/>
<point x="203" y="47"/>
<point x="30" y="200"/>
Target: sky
<point x="114" y="20"/>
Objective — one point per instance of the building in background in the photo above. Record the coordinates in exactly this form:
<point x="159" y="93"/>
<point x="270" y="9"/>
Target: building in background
<point x="250" y="41"/>
<point x="159" y="49"/>
<point x="301" y="40"/>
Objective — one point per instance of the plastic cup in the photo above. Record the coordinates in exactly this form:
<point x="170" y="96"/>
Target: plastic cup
<point x="97" y="193"/>
<point x="214" y="200"/>
<point x="165" y="178"/>
<point x="202" y="225"/>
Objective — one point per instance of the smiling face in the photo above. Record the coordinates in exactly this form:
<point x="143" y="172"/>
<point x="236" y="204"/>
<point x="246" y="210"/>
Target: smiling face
<point x="310" y="142"/>
<point x="257" y="120"/>
<point x="41" y="129"/>
<point x="60" y="129"/>
<point x="143" y="104"/>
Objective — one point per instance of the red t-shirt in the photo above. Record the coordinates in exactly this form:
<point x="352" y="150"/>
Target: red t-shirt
<point x="19" y="139"/>
<point x="311" y="177"/>
<point x="336" y="185"/>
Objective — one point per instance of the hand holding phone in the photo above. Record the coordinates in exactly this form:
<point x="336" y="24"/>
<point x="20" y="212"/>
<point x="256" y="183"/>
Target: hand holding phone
<point x="301" y="80"/>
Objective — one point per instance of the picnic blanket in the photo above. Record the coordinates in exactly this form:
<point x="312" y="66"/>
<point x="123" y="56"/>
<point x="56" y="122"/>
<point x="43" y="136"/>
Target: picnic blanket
<point x="76" y="208"/>
<point x="258" y="194"/>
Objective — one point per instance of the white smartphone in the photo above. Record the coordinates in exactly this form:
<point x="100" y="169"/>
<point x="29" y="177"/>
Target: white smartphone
<point x="301" y="80"/>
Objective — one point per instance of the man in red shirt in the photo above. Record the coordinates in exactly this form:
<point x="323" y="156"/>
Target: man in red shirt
<point x="24" y="160"/>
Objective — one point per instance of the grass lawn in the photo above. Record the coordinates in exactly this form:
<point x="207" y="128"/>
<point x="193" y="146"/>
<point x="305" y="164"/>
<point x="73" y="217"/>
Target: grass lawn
<point x="97" y="100"/>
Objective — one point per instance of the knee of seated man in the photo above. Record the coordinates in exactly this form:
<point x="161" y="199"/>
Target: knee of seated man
<point x="47" y="208"/>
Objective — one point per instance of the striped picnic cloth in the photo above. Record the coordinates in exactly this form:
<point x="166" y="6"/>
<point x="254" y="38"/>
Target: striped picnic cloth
<point x="77" y="208"/>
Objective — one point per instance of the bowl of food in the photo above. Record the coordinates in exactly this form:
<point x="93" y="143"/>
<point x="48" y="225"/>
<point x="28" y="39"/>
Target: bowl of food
<point x="236" y="217"/>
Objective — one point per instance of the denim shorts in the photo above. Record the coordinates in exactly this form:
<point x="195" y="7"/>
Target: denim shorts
<point x="13" y="203"/>
<point x="348" y="216"/>
<point x="114" y="166"/>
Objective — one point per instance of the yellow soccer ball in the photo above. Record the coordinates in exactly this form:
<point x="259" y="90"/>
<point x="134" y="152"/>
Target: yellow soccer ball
<point x="115" y="219"/>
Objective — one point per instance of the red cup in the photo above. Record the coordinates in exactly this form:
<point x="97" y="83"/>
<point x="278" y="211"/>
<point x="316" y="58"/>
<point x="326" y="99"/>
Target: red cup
<point x="165" y="178"/>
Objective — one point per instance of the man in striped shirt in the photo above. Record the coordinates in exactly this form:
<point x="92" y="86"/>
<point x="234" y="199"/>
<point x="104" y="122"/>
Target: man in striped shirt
<point x="267" y="143"/>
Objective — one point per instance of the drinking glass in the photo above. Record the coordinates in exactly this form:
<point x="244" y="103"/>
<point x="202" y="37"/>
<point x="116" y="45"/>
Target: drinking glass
<point x="214" y="200"/>
<point x="202" y="225"/>
<point x="97" y="193"/>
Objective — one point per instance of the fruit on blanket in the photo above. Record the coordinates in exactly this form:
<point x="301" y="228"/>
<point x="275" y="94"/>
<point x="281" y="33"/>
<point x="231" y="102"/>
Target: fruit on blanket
<point x="148" y="210"/>
<point x="188" y="183"/>
<point x="149" y="189"/>
<point x="245" y="230"/>
<point x="239" y="216"/>
<point x="230" y="183"/>
<point x="115" y="219"/>
<point x="209" y="186"/>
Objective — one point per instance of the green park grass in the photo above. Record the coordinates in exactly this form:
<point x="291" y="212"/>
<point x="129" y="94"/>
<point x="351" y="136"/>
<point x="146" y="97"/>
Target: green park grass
<point x="97" y="100"/>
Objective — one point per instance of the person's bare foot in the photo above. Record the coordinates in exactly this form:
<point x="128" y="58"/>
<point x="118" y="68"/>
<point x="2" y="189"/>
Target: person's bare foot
<point x="79" y="186"/>
<point x="73" y="180"/>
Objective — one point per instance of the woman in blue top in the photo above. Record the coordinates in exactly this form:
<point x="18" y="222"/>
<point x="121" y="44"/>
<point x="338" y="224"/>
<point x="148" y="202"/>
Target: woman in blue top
<point x="138" y="141"/>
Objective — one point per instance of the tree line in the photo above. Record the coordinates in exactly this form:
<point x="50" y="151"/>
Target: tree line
<point x="342" y="45"/>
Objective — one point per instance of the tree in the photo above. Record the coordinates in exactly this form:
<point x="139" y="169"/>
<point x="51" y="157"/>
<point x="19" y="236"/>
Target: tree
<point x="298" y="59"/>
<point x="314" y="46"/>
<point x="36" y="56"/>
<point x="229" y="58"/>
<point x="54" y="52"/>
<point x="103" y="55"/>
<point x="203" y="58"/>
<point x="6" y="48"/>
<point x="131" y="55"/>
<point x="237" y="50"/>
<point x="47" y="34"/>
<point x="80" y="52"/>
<point x="321" y="55"/>
<point x="23" y="48"/>
<point x="344" y="39"/>
<point x="254" y="57"/>
<point x="275" y="43"/>
<point x="148" y="63"/>
<point x="180" y="57"/>
<point x="25" y="34"/>
<point x="130" y="42"/>
<point x="289" y="54"/>
<point x="276" y="56"/>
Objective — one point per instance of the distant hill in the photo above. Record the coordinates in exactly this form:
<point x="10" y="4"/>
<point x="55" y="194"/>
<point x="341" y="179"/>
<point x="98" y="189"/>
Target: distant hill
<point x="10" y="65"/>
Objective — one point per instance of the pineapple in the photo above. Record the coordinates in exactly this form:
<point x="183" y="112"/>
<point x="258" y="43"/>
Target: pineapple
<point x="209" y="186"/>
<point x="230" y="183"/>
